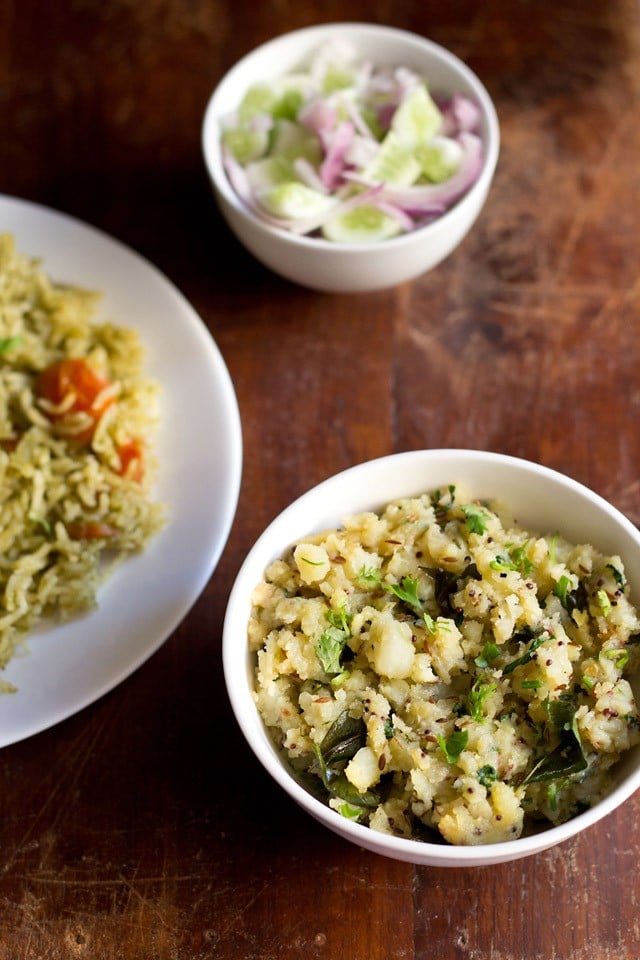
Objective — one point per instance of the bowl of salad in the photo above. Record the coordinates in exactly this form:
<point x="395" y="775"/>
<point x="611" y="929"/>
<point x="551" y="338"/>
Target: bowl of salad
<point x="350" y="157"/>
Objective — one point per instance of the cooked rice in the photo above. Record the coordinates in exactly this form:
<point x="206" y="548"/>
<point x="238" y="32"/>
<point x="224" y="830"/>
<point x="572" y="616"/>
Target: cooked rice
<point x="48" y="482"/>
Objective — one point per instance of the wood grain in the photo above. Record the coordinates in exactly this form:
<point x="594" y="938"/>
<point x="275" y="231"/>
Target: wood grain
<point x="143" y="828"/>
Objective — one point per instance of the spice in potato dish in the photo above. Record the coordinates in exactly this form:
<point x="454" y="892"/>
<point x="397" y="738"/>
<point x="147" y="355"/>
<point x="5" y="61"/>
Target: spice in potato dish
<point x="436" y="672"/>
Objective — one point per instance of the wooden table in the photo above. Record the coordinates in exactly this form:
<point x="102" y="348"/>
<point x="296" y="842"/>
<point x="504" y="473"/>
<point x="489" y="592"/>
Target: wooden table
<point x="118" y="838"/>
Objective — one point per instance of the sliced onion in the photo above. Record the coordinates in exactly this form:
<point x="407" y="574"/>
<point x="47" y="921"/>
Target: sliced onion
<point x="437" y="195"/>
<point x="337" y="146"/>
<point x="349" y="146"/>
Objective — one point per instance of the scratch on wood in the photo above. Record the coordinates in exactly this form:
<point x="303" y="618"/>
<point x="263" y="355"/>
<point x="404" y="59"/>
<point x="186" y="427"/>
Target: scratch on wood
<point x="62" y="786"/>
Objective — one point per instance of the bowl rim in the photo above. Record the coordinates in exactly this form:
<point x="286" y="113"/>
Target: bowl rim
<point x="239" y="693"/>
<point x="210" y="140"/>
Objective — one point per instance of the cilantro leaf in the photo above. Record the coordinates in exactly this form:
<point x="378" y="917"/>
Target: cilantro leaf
<point x="478" y="695"/>
<point x="429" y="622"/>
<point x="333" y="640"/>
<point x="339" y="619"/>
<point x="570" y="599"/>
<point x="329" y="650"/>
<point x="476" y="517"/>
<point x="368" y="574"/>
<point x="407" y="591"/>
<point x="453" y="746"/>
<point x="350" y="812"/>
<point x="487" y="775"/>
<point x="603" y="601"/>
<point x="490" y="652"/>
<point x="619" y="657"/>
<point x="503" y="562"/>
<point x="439" y="502"/>
<point x="617" y="576"/>
<point x="521" y="560"/>
<point x="515" y="559"/>
<point x="560" y="590"/>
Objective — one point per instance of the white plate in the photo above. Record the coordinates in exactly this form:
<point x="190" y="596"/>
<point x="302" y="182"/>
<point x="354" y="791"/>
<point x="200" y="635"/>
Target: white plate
<point x="199" y="451"/>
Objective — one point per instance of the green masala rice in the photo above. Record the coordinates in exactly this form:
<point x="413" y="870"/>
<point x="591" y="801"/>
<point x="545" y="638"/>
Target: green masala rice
<point x="74" y="486"/>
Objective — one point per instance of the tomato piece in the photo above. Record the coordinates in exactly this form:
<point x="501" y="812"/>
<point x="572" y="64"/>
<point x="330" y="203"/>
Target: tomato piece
<point x="131" y="459"/>
<point x="73" y="386"/>
<point x="90" y="530"/>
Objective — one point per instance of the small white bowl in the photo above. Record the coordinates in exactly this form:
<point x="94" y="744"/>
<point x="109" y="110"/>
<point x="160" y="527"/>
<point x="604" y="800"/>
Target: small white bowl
<point x="322" y="264"/>
<point x="541" y="499"/>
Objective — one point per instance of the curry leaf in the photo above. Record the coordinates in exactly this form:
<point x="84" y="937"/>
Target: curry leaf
<point x="568" y="756"/>
<point x="337" y="785"/>
<point x="343" y="739"/>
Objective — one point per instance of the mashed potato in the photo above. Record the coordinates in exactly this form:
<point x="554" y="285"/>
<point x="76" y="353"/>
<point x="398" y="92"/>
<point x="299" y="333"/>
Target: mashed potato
<point x="436" y="672"/>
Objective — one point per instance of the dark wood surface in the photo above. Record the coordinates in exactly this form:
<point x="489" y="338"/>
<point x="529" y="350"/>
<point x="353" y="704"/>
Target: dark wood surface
<point x="142" y="828"/>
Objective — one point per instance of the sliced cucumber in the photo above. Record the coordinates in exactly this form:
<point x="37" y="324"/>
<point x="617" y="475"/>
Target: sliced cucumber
<point x="295" y="201"/>
<point x="417" y="119"/>
<point x="394" y="163"/>
<point x="372" y="120"/>
<point x="337" y="78"/>
<point x="269" y="172"/>
<point x="440" y="158"/>
<point x="283" y="98"/>
<point x="259" y="99"/>
<point x="245" y="144"/>
<point x="363" y="224"/>
<point x="290" y="93"/>
<point x="291" y="141"/>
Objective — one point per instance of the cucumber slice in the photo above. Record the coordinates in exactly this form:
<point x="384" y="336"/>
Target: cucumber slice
<point x="440" y="158"/>
<point x="394" y="163"/>
<point x="269" y="172"/>
<point x="372" y="120"/>
<point x="363" y="224"/>
<point x="295" y="201"/>
<point x="337" y="78"/>
<point x="282" y="98"/>
<point x="290" y="93"/>
<point x="246" y="145"/>
<point x="417" y="119"/>
<point x="291" y="141"/>
<point x="259" y="99"/>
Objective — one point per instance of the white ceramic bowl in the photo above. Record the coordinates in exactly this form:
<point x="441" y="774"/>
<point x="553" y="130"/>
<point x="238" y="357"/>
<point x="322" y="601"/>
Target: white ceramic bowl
<point x="542" y="500"/>
<point x="322" y="264"/>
